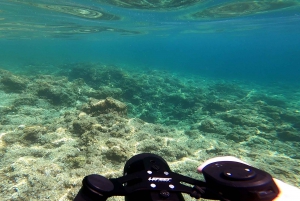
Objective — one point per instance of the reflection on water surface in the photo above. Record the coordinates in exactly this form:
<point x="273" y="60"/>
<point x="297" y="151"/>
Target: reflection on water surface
<point x="152" y="4"/>
<point x="235" y="9"/>
<point x="32" y="19"/>
<point x="74" y="10"/>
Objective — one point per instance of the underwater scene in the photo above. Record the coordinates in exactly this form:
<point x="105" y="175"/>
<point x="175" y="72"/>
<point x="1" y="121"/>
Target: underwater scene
<point x="86" y="85"/>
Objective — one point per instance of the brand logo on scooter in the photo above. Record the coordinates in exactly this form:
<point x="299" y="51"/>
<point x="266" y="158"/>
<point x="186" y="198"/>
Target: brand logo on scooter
<point x="159" y="179"/>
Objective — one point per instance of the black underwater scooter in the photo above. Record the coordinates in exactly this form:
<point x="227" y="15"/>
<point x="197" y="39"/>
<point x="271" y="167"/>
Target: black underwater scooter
<point x="147" y="177"/>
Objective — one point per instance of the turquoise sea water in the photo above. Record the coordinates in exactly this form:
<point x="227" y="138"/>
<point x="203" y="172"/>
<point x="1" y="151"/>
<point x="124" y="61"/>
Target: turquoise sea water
<point x="212" y="77"/>
<point x="262" y="45"/>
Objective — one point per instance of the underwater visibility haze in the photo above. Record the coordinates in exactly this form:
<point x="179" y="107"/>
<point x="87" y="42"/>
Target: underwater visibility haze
<point x="85" y="85"/>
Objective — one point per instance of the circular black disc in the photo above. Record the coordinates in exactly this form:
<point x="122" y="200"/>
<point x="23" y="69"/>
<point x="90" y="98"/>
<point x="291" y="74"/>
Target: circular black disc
<point x="99" y="183"/>
<point x="239" y="173"/>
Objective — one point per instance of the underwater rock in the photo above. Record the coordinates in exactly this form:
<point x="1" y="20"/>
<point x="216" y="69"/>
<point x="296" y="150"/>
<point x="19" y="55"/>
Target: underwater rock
<point x="243" y="119"/>
<point x="208" y="126"/>
<point x="57" y="90"/>
<point x="76" y="162"/>
<point x="27" y="99"/>
<point x="69" y="141"/>
<point x="117" y="150"/>
<point x="155" y="96"/>
<point x="98" y="76"/>
<point x="175" y="152"/>
<point x="12" y="83"/>
<point x="219" y="106"/>
<point x="108" y="105"/>
<point x="288" y="133"/>
<point x="104" y="92"/>
<point x="193" y="133"/>
<point x="180" y="99"/>
<point x="83" y="125"/>
<point x="55" y="95"/>
<point x="33" y="133"/>
<point x="234" y="119"/>
<point x="87" y="72"/>
<point x="279" y="101"/>
<point x="147" y="145"/>
<point x="227" y="88"/>
<point x="149" y="116"/>
<point x="7" y="110"/>
<point x="269" y="100"/>
<point x="291" y="117"/>
<point x="241" y="134"/>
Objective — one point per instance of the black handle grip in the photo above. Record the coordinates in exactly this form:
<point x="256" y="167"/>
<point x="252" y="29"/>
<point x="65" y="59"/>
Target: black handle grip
<point x="148" y="177"/>
<point x="95" y="187"/>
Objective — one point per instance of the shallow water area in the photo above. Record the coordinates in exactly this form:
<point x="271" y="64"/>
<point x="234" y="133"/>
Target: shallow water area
<point x="85" y="85"/>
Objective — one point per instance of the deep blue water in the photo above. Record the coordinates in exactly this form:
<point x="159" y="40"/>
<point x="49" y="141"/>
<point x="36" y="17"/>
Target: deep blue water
<point x="254" y="47"/>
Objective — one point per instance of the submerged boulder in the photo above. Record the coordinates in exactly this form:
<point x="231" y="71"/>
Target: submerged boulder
<point x="12" y="83"/>
<point x="104" y="106"/>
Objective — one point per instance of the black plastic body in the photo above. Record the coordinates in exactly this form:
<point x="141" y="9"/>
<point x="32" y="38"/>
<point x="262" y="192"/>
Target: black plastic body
<point x="157" y="165"/>
<point x="238" y="181"/>
<point x="148" y="177"/>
